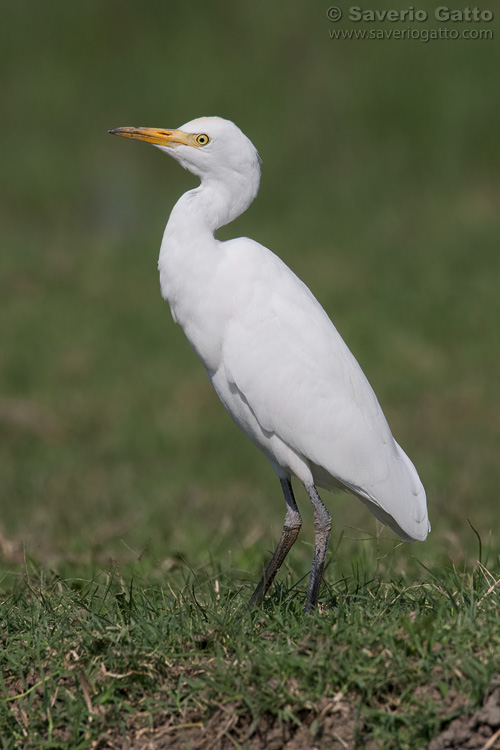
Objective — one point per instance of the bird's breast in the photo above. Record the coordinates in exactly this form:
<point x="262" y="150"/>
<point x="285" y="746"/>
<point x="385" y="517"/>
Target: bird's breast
<point x="199" y="299"/>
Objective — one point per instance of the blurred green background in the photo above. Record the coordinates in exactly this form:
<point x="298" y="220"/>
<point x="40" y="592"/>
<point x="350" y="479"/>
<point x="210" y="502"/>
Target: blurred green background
<point x="379" y="188"/>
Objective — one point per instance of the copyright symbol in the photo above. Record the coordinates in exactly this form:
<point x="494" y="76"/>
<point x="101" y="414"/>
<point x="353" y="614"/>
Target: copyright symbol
<point x="334" y="13"/>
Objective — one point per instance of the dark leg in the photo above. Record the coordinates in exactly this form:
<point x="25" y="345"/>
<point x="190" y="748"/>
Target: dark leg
<point x="322" y="528"/>
<point x="290" y="532"/>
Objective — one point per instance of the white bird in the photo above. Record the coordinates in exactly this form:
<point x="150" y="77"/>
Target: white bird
<point x="275" y="359"/>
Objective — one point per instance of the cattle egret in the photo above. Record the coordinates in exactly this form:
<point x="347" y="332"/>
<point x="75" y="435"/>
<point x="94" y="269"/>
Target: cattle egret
<point x="276" y="361"/>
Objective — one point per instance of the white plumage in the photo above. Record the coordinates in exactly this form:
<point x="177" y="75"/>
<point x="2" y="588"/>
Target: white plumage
<point x="276" y="361"/>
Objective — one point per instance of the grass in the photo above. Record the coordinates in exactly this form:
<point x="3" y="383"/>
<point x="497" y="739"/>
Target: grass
<point x="134" y="516"/>
<point x="105" y="661"/>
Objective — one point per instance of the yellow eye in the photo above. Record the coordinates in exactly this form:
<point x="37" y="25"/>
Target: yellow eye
<point x="202" y="139"/>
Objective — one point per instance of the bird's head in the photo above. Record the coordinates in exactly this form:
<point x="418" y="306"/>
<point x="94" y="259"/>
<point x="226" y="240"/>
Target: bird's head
<point x="209" y="147"/>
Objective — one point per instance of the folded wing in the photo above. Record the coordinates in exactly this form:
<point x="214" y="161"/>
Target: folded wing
<point x="282" y="352"/>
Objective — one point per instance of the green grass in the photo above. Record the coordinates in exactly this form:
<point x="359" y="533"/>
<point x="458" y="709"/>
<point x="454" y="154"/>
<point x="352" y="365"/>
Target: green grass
<point x="119" y="470"/>
<point x="106" y="658"/>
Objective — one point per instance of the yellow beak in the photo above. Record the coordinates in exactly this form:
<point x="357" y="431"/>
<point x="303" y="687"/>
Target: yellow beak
<point x="157" y="136"/>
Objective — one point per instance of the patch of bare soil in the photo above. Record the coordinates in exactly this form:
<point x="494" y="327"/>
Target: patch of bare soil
<point x="333" y="725"/>
<point x="330" y="727"/>
<point x="477" y="731"/>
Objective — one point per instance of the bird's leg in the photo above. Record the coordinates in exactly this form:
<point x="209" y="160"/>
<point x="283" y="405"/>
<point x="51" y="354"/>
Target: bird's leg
<point x="291" y="528"/>
<point x="322" y="528"/>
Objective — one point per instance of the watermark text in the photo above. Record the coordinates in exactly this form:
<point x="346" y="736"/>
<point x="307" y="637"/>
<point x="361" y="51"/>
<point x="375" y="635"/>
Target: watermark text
<point x="466" y="23"/>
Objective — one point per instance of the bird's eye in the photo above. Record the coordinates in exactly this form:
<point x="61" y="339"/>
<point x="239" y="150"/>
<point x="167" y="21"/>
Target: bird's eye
<point x="202" y="139"/>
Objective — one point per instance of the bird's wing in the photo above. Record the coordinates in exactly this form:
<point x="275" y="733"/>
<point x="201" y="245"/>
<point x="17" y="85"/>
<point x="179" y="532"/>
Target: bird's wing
<point x="302" y="383"/>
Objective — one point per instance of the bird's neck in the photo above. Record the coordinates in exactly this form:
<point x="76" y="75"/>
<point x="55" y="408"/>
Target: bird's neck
<point x="189" y="252"/>
<point x="215" y="203"/>
<point x="190" y="257"/>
